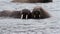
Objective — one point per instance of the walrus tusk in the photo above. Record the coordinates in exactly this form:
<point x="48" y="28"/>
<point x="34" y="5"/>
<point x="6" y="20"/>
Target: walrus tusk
<point x="22" y="16"/>
<point x="39" y="16"/>
<point x="26" y="16"/>
<point x="34" y="16"/>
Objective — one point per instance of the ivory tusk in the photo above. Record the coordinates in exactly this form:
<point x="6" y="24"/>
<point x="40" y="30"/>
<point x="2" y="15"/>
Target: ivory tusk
<point x="22" y="16"/>
<point x="34" y="16"/>
<point x="39" y="15"/>
<point x="26" y="16"/>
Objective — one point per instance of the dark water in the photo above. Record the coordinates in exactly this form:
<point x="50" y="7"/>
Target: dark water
<point x="31" y="26"/>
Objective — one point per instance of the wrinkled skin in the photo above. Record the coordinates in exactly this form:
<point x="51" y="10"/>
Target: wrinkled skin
<point x="16" y="14"/>
<point x="39" y="11"/>
<point x="44" y="13"/>
<point x="5" y="13"/>
<point x="25" y="14"/>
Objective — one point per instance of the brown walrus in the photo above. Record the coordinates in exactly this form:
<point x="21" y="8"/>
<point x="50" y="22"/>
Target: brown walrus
<point x="5" y="13"/>
<point x="32" y="1"/>
<point x="39" y="12"/>
<point x="25" y="14"/>
<point x="35" y="13"/>
<point x="8" y="13"/>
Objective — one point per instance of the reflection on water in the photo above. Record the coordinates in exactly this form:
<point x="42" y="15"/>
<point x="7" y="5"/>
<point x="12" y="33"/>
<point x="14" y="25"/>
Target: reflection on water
<point x="31" y="26"/>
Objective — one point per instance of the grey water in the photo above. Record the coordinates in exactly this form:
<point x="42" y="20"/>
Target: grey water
<point x="30" y="26"/>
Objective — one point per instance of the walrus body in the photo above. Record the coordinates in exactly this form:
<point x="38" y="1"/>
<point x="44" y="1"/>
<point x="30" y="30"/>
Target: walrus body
<point x="44" y="14"/>
<point x="5" y="13"/>
<point x="32" y="1"/>
<point x="22" y="1"/>
<point x="16" y="14"/>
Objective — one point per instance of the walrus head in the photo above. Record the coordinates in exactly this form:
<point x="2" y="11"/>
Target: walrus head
<point x="25" y="13"/>
<point x="40" y="12"/>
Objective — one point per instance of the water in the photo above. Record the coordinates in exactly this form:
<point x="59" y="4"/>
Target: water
<point x="31" y="26"/>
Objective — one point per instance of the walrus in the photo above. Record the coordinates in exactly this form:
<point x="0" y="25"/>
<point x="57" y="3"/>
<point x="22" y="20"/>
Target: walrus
<point x="12" y="14"/>
<point x="40" y="13"/>
<point x="5" y="13"/>
<point x="32" y="1"/>
<point x="25" y="14"/>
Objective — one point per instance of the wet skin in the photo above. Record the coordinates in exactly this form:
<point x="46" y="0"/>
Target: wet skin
<point x="32" y="1"/>
<point x="26" y="14"/>
<point x="35" y="14"/>
<point x="39" y="13"/>
<point x="16" y="14"/>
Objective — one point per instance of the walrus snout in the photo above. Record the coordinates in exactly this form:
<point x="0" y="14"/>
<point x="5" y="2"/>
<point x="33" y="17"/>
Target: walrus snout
<point x="5" y="13"/>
